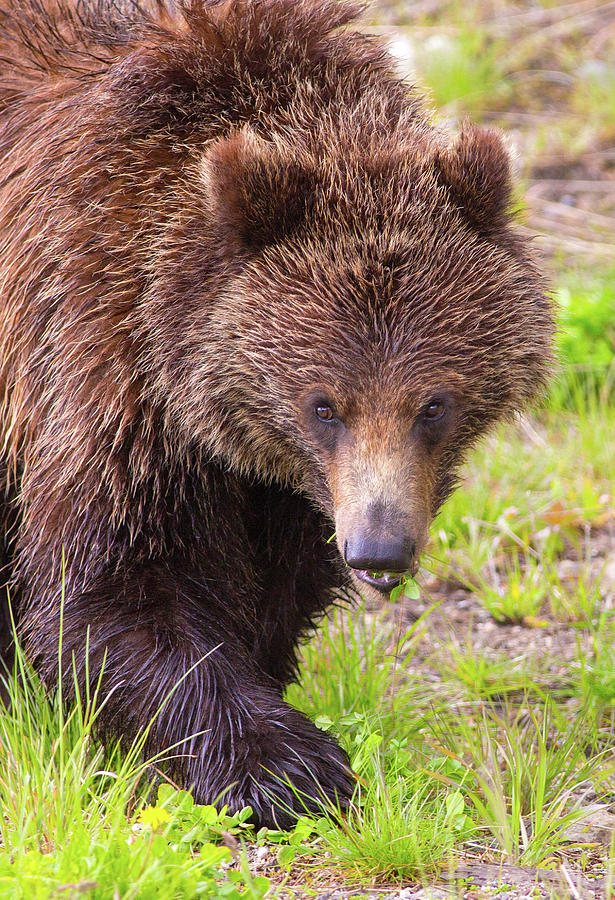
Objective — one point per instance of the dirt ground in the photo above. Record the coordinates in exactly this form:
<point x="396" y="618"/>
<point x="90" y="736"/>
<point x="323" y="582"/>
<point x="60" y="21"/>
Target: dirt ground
<point x="460" y="616"/>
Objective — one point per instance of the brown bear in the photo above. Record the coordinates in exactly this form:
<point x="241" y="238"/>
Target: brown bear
<point x="250" y="296"/>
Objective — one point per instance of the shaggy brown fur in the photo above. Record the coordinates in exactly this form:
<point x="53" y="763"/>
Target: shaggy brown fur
<point x="216" y="219"/>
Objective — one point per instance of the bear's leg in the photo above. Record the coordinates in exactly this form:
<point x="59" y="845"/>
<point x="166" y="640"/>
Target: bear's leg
<point x="301" y="574"/>
<point x="181" y="658"/>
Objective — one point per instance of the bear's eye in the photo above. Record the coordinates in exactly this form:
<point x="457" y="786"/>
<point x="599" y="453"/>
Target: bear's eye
<point x="434" y="410"/>
<point x="324" y="412"/>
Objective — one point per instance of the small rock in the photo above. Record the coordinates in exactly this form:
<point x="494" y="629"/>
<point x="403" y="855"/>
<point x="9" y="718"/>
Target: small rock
<point x="262" y="858"/>
<point x="406" y="894"/>
<point x="594" y="69"/>
<point x="596" y="827"/>
<point x="430" y="893"/>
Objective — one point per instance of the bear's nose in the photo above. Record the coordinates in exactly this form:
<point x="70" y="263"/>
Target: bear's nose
<point x="374" y="554"/>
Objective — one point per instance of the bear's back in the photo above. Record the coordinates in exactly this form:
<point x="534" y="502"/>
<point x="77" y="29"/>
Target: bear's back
<point x="217" y="62"/>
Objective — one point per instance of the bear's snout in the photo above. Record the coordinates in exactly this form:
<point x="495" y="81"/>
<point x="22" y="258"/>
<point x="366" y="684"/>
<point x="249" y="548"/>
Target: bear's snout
<point x="379" y="543"/>
<point x="380" y="561"/>
<point x="365" y="550"/>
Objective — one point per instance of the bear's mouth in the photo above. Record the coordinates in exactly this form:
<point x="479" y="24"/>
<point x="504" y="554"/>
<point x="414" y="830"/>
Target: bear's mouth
<point x="382" y="581"/>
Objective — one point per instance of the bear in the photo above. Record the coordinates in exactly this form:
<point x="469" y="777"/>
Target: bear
<point x="251" y="297"/>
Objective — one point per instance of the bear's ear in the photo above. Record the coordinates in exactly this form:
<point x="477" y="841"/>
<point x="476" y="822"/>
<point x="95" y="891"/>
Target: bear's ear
<point x="257" y="193"/>
<point x="477" y="172"/>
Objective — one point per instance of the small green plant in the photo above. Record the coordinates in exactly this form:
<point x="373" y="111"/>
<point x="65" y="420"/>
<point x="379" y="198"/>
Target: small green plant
<point x="406" y="588"/>
<point x="586" y="338"/>
<point x="299" y="842"/>
<point x="518" y="594"/>
<point x="404" y="822"/>
<point x="188" y="824"/>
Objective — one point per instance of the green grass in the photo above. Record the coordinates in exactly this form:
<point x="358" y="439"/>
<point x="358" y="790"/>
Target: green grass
<point x="404" y="822"/>
<point x="72" y="820"/>
<point x="531" y="780"/>
<point x="369" y="662"/>
<point x="481" y="676"/>
<point x="455" y="774"/>
<point x="531" y="496"/>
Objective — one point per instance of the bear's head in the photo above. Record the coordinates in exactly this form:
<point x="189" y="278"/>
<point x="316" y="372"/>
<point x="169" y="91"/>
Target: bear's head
<point x="362" y="311"/>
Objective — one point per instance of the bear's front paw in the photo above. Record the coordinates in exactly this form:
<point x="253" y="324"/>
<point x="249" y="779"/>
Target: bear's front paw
<point x="283" y="767"/>
<point x="309" y="773"/>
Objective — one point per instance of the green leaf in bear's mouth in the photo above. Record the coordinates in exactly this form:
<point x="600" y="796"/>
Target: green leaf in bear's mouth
<point x="407" y="587"/>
